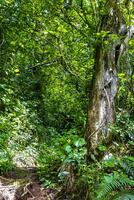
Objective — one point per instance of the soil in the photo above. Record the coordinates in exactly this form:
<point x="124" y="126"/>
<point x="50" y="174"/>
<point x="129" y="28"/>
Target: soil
<point x="23" y="184"/>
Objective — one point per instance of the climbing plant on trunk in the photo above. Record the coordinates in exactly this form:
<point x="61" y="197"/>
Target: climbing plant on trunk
<point x="111" y="42"/>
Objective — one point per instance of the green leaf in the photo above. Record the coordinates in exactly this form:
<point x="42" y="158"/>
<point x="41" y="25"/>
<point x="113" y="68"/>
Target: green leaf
<point x="79" y="142"/>
<point x="68" y="148"/>
<point x="17" y="70"/>
<point x="102" y="147"/>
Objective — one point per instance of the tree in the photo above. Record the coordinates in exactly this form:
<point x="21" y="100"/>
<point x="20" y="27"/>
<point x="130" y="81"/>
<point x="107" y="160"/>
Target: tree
<point x="113" y="40"/>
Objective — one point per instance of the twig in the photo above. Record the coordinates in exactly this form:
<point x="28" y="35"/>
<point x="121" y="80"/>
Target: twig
<point x="27" y="191"/>
<point x="3" y="178"/>
<point x="43" y="63"/>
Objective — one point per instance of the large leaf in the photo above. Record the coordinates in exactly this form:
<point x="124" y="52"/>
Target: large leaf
<point x="79" y="142"/>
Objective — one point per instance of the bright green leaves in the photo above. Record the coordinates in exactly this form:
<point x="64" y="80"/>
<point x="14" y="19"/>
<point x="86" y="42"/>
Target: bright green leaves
<point x="79" y="142"/>
<point x="65" y="151"/>
<point x="102" y="34"/>
<point x="75" y="151"/>
<point x="102" y="147"/>
<point x="47" y="60"/>
<point x="68" y="148"/>
<point x="62" y="29"/>
<point x="8" y="2"/>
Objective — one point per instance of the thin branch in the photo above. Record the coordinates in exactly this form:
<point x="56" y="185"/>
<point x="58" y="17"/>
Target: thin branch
<point x="67" y="20"/>
<point x="84" y="17"/>
<point x="43" y="63"/>
<point x="27" y="191"/>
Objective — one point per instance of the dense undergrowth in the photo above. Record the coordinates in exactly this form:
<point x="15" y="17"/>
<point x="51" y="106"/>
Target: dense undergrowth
<point x="46" y="68"/>
<point x="61" y="159"/>
<point x="64" y="165"/>
<point x="52" y="139"/>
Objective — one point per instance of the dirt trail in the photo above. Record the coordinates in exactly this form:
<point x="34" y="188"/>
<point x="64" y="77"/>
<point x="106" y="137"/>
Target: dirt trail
<point x="23" y="184"/>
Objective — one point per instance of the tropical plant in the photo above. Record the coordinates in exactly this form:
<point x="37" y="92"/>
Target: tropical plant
<point x="113" y="183"/>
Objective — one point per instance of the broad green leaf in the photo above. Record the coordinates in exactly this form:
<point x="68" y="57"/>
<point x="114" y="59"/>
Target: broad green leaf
<point x="79" y="142"/>
<point x="68" y="148"/>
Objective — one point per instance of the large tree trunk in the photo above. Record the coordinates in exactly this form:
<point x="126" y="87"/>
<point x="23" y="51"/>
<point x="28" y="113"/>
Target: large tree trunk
<point x="101" y="111"/>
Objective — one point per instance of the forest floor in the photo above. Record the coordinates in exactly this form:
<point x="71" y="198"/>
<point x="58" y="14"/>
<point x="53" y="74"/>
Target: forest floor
<point x="23" y="184"/>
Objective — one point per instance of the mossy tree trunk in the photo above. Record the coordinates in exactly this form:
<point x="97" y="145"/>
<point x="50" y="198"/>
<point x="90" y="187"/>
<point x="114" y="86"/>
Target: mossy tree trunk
<point x="101" y="110"/>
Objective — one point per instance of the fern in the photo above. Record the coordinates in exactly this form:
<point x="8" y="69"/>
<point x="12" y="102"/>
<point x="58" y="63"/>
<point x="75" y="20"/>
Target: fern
<point x="124" y="196"/>
<point x="128" y="166"/>
<point x="113" y="183"/>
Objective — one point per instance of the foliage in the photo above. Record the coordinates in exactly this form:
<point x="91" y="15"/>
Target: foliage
<point x="123" y="129"/>
<point x="54" y="160"/>
<point x="124" y="196"/>
<point x="47" y="54"/>
<point x="125" y="94"/>
<point x="112" y="183"/>
<point x="5" y="156"/>
<point x="117" y="176"/>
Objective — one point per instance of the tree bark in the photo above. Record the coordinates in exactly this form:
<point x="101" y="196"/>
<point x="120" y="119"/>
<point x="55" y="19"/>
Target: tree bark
<point x="101" y="110"/>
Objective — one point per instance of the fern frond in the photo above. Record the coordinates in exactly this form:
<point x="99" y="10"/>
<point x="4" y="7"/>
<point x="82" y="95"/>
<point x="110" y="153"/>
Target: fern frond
<point x="128" y="166"/>
<point x="113" y="183"/>
<point x="127" y="195"/>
